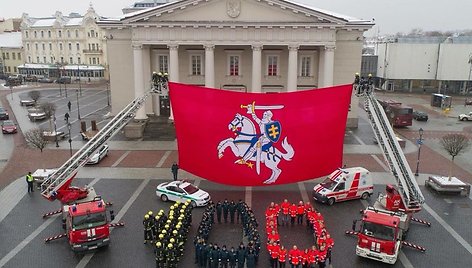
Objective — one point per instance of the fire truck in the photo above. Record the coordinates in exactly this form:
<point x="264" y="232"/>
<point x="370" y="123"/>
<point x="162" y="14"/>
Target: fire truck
<point x="83" y="211"/>
<point x="397" y="114"/>
<point x="384" y="226"/>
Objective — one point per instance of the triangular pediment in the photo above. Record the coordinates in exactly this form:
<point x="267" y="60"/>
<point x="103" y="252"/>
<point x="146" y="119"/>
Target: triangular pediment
<point x="233" y="11"/>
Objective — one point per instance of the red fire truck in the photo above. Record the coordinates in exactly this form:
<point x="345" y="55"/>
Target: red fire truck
<point x="397" y="114"/>
<point x="383" y="226"/>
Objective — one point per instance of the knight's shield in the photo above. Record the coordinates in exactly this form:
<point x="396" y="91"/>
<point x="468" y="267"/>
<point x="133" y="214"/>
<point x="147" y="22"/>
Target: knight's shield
<point x="273" y="130"/>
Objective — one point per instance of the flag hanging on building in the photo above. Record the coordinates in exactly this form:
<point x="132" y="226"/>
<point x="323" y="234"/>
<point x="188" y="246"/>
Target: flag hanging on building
<point x="252" y="139"/>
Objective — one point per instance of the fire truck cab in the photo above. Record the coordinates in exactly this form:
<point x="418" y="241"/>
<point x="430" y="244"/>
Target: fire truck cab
<point x="344" y="184"/>
<point x="86" y="223"/>
<point x="380" y="235"/>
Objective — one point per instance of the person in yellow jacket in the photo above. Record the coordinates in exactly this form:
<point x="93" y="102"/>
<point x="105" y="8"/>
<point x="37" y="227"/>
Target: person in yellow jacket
<point x="30" y="181"/>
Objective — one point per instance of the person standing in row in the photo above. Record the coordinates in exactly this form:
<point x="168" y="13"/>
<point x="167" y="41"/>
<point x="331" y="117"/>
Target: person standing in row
<point x="30" y="181"/>
<point x="219" y="209"/>
<point x="225" y="210"/>
<point x="175" y="170"/>
<point x="232" y="210"/>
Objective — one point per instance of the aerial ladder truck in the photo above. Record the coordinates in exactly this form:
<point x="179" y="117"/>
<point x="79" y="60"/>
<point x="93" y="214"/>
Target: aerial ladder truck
<point x="83" y="211"/>
<point x="385" y="224"/>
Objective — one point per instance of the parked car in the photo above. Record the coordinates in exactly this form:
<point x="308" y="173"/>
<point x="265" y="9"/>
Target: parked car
<point x="420" y="116"/>
<point x="27" y="102"/>
<point x="31" y="78"/>
<point x="8" y="127"/>
<point x="465" y="117"/>
<point x="35" y="114"/>
<point x="45" y="80"/>
<point x="4" y="114"/>
<point x="64" y="80"/>
<point x="182" y="191"/>
<point x="98" y="156"/>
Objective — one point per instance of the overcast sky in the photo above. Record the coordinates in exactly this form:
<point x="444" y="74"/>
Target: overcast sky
<point x="391" y="16"/>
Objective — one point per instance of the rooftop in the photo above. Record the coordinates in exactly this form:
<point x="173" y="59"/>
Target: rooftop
<point x="11" y="40"/>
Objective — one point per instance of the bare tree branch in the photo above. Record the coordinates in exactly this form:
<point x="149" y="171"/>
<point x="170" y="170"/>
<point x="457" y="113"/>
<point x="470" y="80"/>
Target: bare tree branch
<point x="49" y="109"/>
<point x="454" y="144"/>
<point x="35" y="138"/>
<point x="34" y="95"/>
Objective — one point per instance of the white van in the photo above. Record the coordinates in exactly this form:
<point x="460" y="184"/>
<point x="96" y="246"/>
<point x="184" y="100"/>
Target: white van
<point x="344" y="184"/>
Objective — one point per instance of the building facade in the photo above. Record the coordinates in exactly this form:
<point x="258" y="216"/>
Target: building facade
<point x="144" y="4"/>
<point x="62" y="41"/>
<point x="11" y="51"/>
<point x="442" y="65"/>
<point x="10" y="25"/>
<point x="244" y="45"/>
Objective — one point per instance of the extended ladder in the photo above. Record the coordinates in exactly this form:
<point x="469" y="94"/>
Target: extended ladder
<point x="70" y="168"/>
<point x="407" y="186"/>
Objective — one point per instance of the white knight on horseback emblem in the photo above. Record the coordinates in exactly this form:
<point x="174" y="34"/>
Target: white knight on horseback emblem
<point x="253" y="147"/>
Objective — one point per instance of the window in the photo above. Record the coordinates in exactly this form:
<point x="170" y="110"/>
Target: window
<point x="44" y="46"/>
<point x="27" y="34"/>
<point x="78" y="46"/>
<point x="272" y="65"/>
<point x="52" y="59"/>
<point x="50" y="46"/>
<point x="93" y="46"/>
<point x="92" y="33"/>
<point x="305" y="68"/>
<point x="14" y="69"/>
<point x="70" y="46"/>
<point x="19" y="56"/>
<point x="196" y="64"/>
<point x="35" y="34"/>
<point x="37" y="59"/>
<point x="90" y="61"/>
<point x="60" y="46"/>
<point x="71" y="61"/>
<point x="36" y="45"/>
<point x="9" y="69"/>
<point x="27" y="46"/>
<point x="62" y="59"/>
<point x="3" y="55"/>
<point x="42" y="34"/>
<point x="29" y="58"/>
<point x="7" y="56"/>
<point x="68" y="33"/>
<point x="94" y="61"/>
<point x="77" y="33"/>
<point x="60" y="33"/>
<point x="49" y="34"/>
<point x="163" y="63"/>
<point x="90" y="47"/>
<point x="98" y="60"/>
<point x="44" y="59"/>
<point x="234" y="65"/>
<point x="79" y="61"/>
<point x="13" y="56"/>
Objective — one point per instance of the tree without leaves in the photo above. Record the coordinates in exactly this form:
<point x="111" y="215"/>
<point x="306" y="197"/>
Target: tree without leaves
<point x="49" y="109"/>
<point x="34" y="95"/>
<point x="454" y="144"/>
<point x="35" y="138"/>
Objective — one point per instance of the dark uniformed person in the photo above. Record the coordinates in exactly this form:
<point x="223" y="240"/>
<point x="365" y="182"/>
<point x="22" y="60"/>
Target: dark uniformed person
<point x="224" y="257"/>
<point x="225" y="210"/>
<point x="239" y="208"/>
<point x="215" y="256"/>
<point x="233" y="258"/>
<point x="241" y="255"/>
<point x="232" y="210"/>
<point x="251" y="258"/>
<point x="198" y="248"/>
<point x="171" y="257"/>
<point x="147" y="229"/>
<point x="160" y="255"/>
<point x="219" y="209"/>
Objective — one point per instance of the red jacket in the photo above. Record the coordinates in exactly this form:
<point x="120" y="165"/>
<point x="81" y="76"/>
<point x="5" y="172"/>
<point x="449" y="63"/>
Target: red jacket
<point x="293" y="210"/>
<point x="274" y="253"/>
<point x="312" y="256"/>
<point x="285" y="207"/>
<point x="294" y="256"/>
<point x="274" y="237"/>
<point x="282" y="255"/>
<point x="300" y="209"/>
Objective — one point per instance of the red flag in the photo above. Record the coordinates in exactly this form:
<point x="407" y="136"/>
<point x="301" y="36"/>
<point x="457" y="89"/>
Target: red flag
<point x="252" y="139"/>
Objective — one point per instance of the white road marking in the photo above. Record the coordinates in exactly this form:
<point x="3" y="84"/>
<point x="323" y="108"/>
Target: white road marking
<point x="382" y="164"/>
<point x="33" y="235"/>
<point x="248" y="196"/>
<point x="120" y="159"/>
<point x="448" y="228"/>
<point x="357" y="138"/>
<point x="163" y="159"/>
<point x="85" y="260"/>
<point x="302" y="188"/>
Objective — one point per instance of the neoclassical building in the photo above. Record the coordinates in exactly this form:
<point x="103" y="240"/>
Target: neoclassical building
<point x="244" y="45"/>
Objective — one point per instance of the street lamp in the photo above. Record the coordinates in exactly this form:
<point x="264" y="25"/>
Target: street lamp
<point x="78" y="74"/>
<point x="78" y="107"/>
<point x="65" y="84"/>
<point x="55" y="130"/>
<point x="419" y="142"/>
<point x="11" y="92"/>
<point x="66" y="117"/>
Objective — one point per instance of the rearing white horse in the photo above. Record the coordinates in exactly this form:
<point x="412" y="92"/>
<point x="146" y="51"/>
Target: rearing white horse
<point x="246" y="136"/>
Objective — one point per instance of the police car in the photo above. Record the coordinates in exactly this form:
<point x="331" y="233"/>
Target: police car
<point x="99" y="155"/>
<point x="182" y="191"/>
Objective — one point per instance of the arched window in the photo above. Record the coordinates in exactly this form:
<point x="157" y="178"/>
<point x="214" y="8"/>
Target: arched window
<point x="77" y="33"/>
<point x="42" y="34"/>
<point x="49" y="34"/>
<point x="35" y="34"/>
<point x="27" y="34"/>
<point x="68" y="33"/>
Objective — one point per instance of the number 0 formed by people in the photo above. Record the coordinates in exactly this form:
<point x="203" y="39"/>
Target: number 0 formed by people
<point x="285" y="212"/>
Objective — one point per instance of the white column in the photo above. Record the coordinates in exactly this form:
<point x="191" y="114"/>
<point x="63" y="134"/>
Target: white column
<point x="321" y="67"/>
<point x="210" y="66"/>
<point x="173" y="69"/>
<point x="328" y="72"/>
<point x="256" y="68"/>
<point x="292" y="68"/>
<point x="138" y="79"/>
<point x="147" y="73"/>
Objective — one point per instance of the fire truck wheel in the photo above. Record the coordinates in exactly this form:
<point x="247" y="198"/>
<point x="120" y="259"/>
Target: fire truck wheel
<point x="365" y="195"/>
<point x="193" y="204"/>
<point x="331" y="201"/>
<point x="164" y="198"/>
